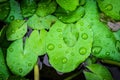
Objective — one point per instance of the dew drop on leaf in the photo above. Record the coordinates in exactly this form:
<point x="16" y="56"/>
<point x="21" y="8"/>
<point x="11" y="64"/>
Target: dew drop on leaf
<point x="96" y="49"/>
<point x="20" y="70"/>
<point x="11" y="17"/>
<point x="82" y="51"/>
<point x="50" y="47"/>
<point x="84" y="36"/>
<point x="107" y="53"/>
<point x="29" y="64"/>
<point x="11" y="49"/>
<point x="109" y="7"/>
<point x="64" y="60"/>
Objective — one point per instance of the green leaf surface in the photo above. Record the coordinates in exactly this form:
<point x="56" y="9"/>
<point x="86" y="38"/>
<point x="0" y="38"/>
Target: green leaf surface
<point x="104" y="39"/>
<point x="4" y="74"/>
<point x="70" y="17"/>
<point x="16" y="29"/>
<point x="46" y="7"/>
<point x="4" y="10"/>
<point x="28" y="7"/>
<point x="68" y="5"/>
<point x="19" y="59"/>
<point x="98" y="71"/>
<point x="39" y="23"/>
<point x="68" y="45"/>
<point x="110" y="8"/>
<point x="36" y="42"/>
<point x="15" y="11"/>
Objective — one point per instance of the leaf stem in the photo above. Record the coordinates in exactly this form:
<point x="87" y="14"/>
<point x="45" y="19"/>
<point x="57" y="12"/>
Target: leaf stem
<point x="36" y="72"/>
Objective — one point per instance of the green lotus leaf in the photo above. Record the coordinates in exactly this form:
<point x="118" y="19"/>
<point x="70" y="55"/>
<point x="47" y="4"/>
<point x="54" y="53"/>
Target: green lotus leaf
<point x="46" y="7"/>
<point x="36" y="42"/>
<point x="15" y="11"/>
<point x="39" y="23"/>
<point x="4" y="74"/>
<point x="92" y="76"/>
<point x="104" y="39"/>
<point x="28" y="7"/>
<point x="68" y="5"/>
<point x="99" y="72"/>
<point x="16" y="29"/>
<point x="68" y="45"/>
<point x="110" y="8"/>
<point x="4" y="10"/>
<point x="19" y="59"/>
<point x="69" y="17"/>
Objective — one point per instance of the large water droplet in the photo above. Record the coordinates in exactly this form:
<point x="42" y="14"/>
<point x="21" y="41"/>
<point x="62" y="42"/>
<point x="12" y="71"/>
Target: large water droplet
<point x="11" y="17"/>
<point x="84" y="36"/>
<point x="109" y="7"/>
<point x="117" y="45"/>
<point x="82" y="23"/>
<point x="96" y="49"/>
<point x="82" y="51"/>
<point x="11" y="49"/>
<point x="20" y="70"/>
<point x="50" y="47"/>
<point x="60" y="36"/>
<point x="64" y="60"/>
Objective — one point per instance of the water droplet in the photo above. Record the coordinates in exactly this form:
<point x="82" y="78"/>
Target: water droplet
<point x="96" y="49"/>
<point x="117" y="45"/>
<point x="11" y="17"/>
<point x="107" y="53"/>
<point x="60" y="46"/>
<point x="64" y="60"/>
<point x="109" y="7"/>
<point x="59" y="30"/>
<point x="18" y="20"/>
<point x="84" y="36"/>
<point x="11" y="49"/>
<point x="81" y="29"/>
<point x="72" y="54"/>
<point x="29" y="64"/>
<point x="81" y="23"/>
<point x="82" y="51"/>
<point x="50" y="47"/>
<point x="20" y="70"/>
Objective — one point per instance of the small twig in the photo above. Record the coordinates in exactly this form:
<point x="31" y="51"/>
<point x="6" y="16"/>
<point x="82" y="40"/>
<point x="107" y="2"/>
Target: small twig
<point x="111" y="62"/>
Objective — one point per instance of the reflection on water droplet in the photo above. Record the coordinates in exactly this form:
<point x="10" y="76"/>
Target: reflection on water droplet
<point x="107" y="53"/>
<point x="11" y="49"/>
<point x="64" y="60"/>
<point x="82" y="51"/>
<point x="60" y="46"/>
<point x="96" y="49"/>
<point x="84" y="36"/>
<point x="50" y="47"/>
<point x="59" y="30"/>
<point x="20" y="70"/>
<point x="109" y="7"/>
<point x="81" y="23"/>
<point x="11" y="17"/>
<point x="117" y="45"/>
